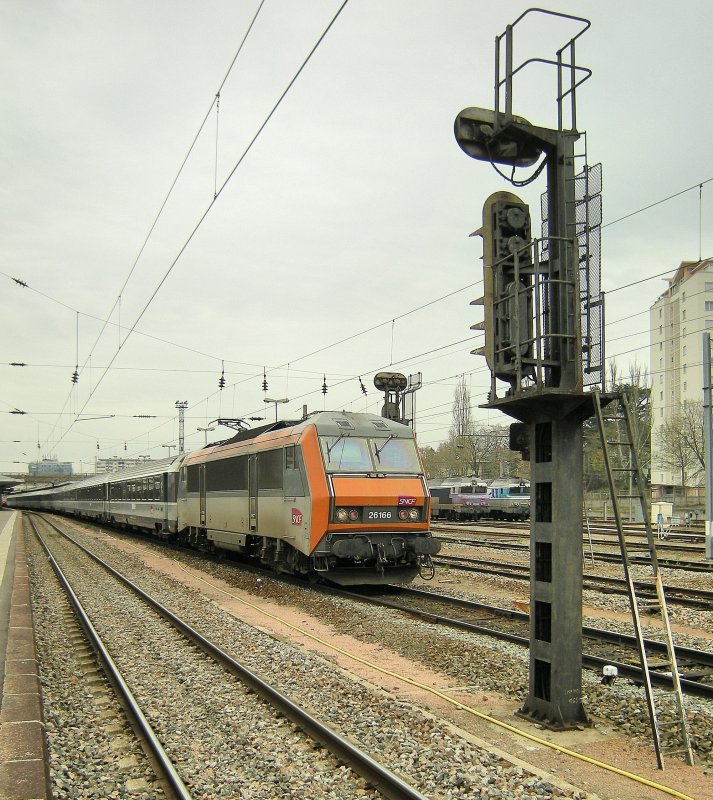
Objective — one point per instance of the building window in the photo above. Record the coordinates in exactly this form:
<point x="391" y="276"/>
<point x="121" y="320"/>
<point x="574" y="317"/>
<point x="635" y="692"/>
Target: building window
<point x="709" y="287"/>
<point x="684" y="349"/>
<point x="709" y="323"/>
<point x="660" y="330"/>
<point x="684" y="369"/>
<point x="685" y="386"/>
<point x="709" y="305"/>
<point x="660" y="345"/>
<point x="661" y="397"/>
<point x="683" y="314"/>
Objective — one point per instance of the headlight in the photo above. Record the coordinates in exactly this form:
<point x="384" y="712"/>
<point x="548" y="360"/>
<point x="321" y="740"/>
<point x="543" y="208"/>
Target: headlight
<point x="413" y="513"/>
<point x="341" y="515"/>
<point x="403" y="513"/>
<point x="353" y="514"/>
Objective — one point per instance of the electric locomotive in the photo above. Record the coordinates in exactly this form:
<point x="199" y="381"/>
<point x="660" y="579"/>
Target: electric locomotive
<point x="340" y="496"/>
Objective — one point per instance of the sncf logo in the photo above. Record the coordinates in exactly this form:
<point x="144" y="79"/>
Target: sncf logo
<point x="406" y="501"/>
<point x="296" y="516"/>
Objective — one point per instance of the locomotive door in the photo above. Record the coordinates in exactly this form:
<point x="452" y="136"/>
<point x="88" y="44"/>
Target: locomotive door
<point x="201" y="491"/>
<point x="252" y="491"/>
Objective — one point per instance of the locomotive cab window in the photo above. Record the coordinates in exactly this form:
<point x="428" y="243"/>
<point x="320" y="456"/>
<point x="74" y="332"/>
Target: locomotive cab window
<point x="395" y="455"/>
<point x="346" y="453"/>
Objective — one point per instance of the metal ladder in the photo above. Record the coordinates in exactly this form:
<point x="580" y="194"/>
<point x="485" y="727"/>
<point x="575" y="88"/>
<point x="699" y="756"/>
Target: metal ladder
<point x="671" y="736"/>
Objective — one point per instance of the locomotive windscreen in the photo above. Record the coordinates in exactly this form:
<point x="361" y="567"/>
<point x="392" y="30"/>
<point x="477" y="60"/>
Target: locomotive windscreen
<point x="358" y="454"/>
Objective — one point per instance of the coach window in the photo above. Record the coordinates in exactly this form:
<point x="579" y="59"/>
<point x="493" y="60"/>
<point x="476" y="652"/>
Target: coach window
<point x="290" y="457"/>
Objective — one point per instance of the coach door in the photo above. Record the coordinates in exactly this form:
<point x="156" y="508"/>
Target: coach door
<point x="201" y="491"/>
<point x="252" y="491"/>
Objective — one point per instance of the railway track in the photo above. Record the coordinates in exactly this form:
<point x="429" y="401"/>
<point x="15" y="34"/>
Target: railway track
<point x="181" y="664"/>
<point x="506" y="536"/>
<point x="602" y="646"/>
<point x="498" y="668"/>
<point x="675" y="595"/>
<point x="597" y="555"/>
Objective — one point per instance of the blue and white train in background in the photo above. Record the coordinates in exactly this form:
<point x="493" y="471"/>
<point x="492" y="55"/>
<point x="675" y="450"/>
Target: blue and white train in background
<point x="474" y="499"/>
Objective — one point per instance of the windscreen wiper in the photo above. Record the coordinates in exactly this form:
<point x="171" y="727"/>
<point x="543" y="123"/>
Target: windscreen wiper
<point x="332" y="446"/>
<point x="378" y="450"/>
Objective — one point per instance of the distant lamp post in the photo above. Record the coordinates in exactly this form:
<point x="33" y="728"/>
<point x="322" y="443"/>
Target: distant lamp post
<point x="276" y="402"/>
<point x="205" y="431"/>
<point x="169" y="447"/>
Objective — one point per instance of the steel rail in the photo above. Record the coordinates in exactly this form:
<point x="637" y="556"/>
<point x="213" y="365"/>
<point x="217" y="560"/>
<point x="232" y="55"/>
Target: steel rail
<point x="133" y="709"/>
<point x="386" y="782"/>
<point x="613" y="637"/>
<point x="593" y="662"/>
<point x="694" y="598"/>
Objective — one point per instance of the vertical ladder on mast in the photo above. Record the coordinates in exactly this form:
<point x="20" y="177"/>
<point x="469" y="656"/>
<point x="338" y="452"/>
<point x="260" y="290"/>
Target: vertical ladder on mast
<point x="672" y="736"/>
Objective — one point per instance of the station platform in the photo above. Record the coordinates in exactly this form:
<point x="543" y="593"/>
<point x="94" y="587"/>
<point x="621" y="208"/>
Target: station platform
<point x="23" y="750"/>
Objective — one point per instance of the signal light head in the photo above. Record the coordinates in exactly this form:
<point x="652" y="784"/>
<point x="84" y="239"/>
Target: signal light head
<point x="341" y="515"/>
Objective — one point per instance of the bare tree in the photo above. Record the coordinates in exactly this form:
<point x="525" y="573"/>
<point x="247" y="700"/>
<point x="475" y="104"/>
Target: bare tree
<point x="462" y="414"/>
<point x="681" y="442"/>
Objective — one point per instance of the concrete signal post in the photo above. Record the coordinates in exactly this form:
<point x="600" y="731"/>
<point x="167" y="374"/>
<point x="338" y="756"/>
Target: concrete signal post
<point x="535" y="310"/>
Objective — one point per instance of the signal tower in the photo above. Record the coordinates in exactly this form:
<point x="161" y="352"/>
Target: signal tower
<point x="544" y="342"/>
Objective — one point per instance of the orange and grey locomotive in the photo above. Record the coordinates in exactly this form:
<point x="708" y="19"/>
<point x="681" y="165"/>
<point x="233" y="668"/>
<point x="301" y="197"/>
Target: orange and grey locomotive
<point x="338" y="496"/>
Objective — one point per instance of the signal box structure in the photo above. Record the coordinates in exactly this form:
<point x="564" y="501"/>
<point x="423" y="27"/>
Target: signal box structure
<point x="543" y="345"/>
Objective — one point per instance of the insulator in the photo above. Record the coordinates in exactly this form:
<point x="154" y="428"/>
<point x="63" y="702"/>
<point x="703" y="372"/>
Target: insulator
<point x="363" y="388"/>
<point x="75" y="376"/>
<point x="324" y="385"/>
<point x="221" y="382"/>
<point x="264" y="380"/>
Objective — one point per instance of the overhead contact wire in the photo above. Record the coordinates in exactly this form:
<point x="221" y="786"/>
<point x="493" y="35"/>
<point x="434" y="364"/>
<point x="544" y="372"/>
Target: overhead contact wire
<point x="211" y="204"/>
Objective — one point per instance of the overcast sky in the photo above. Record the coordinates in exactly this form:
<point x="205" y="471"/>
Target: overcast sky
<point x="352" y="208"/>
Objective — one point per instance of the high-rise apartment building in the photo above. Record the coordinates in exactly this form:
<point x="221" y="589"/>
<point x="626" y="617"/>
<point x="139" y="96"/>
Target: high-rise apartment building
<point x="678" y="320"/>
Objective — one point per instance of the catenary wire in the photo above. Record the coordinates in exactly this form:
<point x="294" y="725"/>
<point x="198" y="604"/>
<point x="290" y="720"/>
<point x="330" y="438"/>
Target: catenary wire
<point x="210" y="206"/>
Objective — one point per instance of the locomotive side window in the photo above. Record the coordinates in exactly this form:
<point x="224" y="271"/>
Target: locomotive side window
<point x="290" y="457"/>
<point x="227" y="474"/>
<point x="193" y="478"/>
<point x="269" y="469"/>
